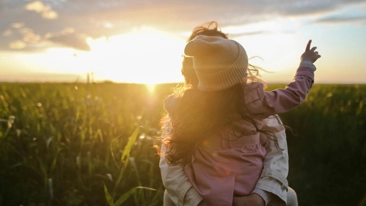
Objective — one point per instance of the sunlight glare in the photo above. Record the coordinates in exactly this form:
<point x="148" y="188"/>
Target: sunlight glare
<point x="66" y="60"/>
<point x="151" y="87"/>
<point x="145" y="56"/>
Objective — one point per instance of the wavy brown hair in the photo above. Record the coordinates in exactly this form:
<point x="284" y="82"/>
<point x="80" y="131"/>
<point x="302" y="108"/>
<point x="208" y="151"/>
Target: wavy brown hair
<point x="195" y="117"/>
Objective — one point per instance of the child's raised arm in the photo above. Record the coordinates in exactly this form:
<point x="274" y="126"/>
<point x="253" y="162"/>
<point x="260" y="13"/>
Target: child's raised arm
<point x="283" y="100"/>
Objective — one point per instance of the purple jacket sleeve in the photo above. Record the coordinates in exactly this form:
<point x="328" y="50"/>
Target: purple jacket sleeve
<point x="259" y="102"/>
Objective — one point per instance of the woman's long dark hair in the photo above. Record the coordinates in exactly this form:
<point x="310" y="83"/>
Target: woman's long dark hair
<point x="199" y="115"/>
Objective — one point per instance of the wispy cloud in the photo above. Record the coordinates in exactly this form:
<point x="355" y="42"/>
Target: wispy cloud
<point x="40" y="24"/>
<point x="342" y="19"/>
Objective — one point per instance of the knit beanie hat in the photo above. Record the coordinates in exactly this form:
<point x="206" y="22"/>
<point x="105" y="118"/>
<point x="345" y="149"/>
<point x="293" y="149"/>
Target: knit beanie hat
<point x="219" y="63"/>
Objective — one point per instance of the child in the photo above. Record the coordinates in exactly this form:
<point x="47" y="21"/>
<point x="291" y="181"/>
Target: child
<point x="213" y="125"/>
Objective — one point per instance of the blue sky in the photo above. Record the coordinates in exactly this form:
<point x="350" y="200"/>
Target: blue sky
<point x="142" y="41"/>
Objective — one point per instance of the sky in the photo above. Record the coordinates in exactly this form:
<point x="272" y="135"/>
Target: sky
<point x="142" y="41"/>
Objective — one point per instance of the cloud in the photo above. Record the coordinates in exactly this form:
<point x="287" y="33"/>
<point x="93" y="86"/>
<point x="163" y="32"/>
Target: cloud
<point x="70" y="39"/>
<point x="297" y="8"/>
<point x="7" y="32"/>
<point x="23" y="36"/>
<point x="252" y="33"/>
<point x="45" y="11"/>
<point x="41" y="24"/>
<point x="341" y="19"/>
<point x="17" y="25"/>
<point x="26" y="39"/>
<point x="17" y="44"/>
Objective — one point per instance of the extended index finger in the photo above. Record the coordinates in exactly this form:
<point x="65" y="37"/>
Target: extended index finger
<point x="308" y="45"/>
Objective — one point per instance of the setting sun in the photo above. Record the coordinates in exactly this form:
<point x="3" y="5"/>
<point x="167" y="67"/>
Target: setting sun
<point x="142" y="56"/>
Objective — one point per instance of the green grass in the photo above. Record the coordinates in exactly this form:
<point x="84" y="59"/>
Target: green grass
<point x="91" y="144"/>
<point x="328" y="155"/>
<point x="67" y="141"/>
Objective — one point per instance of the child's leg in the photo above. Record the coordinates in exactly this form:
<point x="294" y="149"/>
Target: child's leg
<point x="291" y="197"/>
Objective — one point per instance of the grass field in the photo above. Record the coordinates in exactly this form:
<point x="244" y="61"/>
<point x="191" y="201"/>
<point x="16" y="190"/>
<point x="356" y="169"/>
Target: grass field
<point x="91" y="144"/>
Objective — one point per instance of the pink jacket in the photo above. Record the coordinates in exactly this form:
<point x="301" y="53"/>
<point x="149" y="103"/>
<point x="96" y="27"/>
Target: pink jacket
<point x="227" y="166"/>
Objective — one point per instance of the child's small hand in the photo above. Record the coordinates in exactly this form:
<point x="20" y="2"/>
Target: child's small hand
<point x="310" y="54"/>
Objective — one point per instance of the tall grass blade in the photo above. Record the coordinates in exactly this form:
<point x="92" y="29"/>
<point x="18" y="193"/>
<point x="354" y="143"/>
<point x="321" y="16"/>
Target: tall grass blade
<point x="108" y="197"/>
<point x="126" y="155"/>
<point x="128" y="147"/>
<point x="126" y="195"/>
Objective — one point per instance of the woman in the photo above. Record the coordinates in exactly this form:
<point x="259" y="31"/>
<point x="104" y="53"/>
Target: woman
<point x="270" y="188"/>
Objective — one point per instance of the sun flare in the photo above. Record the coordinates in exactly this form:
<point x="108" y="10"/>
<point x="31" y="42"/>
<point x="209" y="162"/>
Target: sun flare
<point x="150" y="87"/>
<point x="143" y="56"/>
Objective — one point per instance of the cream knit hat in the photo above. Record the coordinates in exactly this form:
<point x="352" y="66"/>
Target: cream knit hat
<point x="219" y="63"/>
